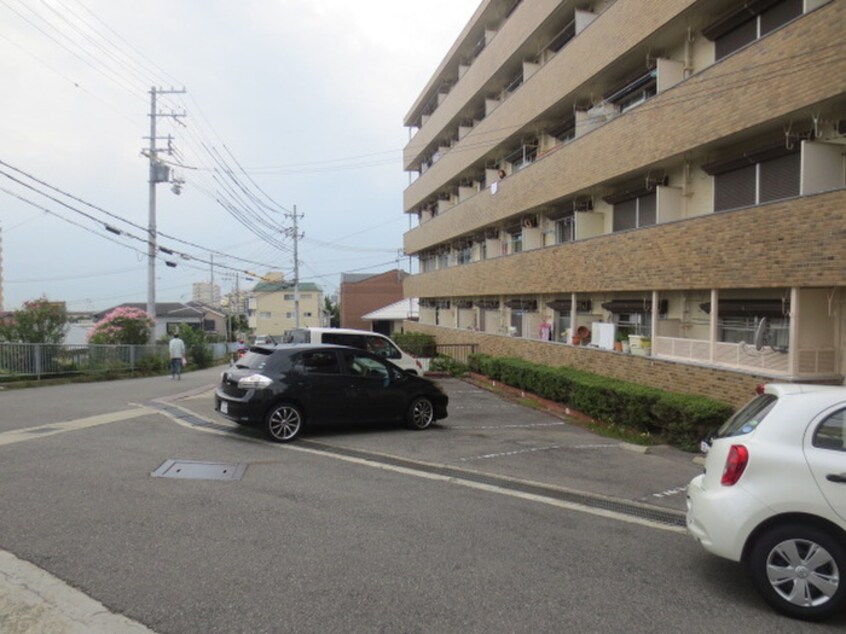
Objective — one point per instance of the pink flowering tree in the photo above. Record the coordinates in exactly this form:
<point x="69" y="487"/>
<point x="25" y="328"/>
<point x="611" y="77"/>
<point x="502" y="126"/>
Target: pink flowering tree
<point x="124" y="325"/>
<point x="39" y="321"/>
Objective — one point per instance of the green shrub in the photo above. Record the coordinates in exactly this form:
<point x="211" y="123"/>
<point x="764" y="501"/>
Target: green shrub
<point x="443" y="363"/>
<point x="417" y="344"/>
<point x="679" y="419"/>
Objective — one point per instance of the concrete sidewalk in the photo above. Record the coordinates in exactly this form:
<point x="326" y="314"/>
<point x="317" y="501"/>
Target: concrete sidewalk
<point x="32" y="601"/>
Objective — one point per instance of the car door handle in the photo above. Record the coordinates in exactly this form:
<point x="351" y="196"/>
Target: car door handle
<point x="836" y="477"/>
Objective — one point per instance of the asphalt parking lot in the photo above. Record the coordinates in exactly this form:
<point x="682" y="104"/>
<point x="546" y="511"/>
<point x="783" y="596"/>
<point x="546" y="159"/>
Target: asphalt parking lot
<point x="487" y="434"/>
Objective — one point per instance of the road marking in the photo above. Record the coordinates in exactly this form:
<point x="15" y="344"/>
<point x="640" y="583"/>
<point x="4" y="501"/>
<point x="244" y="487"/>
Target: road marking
<point x="532" y="497"/>
<point x="670" y="492"/>
<point x="533" y="449"/>
<point x="515" y="426"/>
<point x="51" y="429"/>
<point x="439" y="477"/>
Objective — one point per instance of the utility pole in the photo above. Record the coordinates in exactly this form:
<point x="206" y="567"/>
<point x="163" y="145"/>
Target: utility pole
<point x="159" y="173"/>
<point x="295" y="235"/>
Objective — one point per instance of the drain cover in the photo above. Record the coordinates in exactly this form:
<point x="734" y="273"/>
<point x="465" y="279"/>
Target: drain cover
<point x="198" y="470"/>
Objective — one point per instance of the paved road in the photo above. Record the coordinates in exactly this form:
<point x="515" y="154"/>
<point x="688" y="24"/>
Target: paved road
<point x="500" y="519"/>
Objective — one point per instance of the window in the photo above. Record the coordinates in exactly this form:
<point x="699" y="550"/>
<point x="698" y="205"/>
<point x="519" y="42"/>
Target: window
<point x="764" y="181"/>
<point x="320" y="362"/>
<point x="359" y="364"/>
<point x="635" y="91"/>
<point x="515" y="240"/>
<point x="831" y="434"/>
<point x="289" y="297"/>
<point x="382" y="347"/>
<point x="265" y="314"/>
<point x="748" y="22"/>
<point x="635" y="212"/>
<point x="633" y="323"/>
<point x="747" y="418"/>
<point x="465" y="252"/>
<point x="739" y="329"/>
<point x="565" y="229"/>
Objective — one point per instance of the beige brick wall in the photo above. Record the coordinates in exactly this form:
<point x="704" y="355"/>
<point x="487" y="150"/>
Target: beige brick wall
<point x="777" y="80"/>
<point x="799" y="242"/>
<point x="734" y="388"/>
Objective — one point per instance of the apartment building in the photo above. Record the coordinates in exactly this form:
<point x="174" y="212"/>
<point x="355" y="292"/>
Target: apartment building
<point x="664" y="173"/>
<point x="272" y="306"/>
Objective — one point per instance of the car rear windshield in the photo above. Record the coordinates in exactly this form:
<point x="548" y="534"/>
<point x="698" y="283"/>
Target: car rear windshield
<point x="748" y="417"/>
<point x="298" y="336"/>
<point x="255" y="359"/>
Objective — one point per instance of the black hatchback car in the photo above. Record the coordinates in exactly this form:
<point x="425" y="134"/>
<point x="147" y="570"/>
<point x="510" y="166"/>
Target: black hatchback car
<point x="284" y="387"/>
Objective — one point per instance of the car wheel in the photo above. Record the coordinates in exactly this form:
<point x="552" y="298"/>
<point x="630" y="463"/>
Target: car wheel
<point x="421" y="413"/>
<point x="284" y="422"/>
<point x="796" y="568"/>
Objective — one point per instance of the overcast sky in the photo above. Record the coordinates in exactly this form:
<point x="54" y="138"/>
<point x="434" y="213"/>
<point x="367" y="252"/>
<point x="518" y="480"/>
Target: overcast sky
<point x="301" y="100"/>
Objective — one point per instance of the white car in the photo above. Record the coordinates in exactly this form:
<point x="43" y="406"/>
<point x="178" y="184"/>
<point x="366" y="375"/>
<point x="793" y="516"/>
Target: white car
<point x="362" y="339"/>
<point x="773" y="496"/>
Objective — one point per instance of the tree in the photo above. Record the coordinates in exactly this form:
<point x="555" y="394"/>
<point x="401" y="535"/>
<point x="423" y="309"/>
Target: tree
<point x="124" y="325"/>
<point x="238" y="325"/>
<point x="39" y="321"/>
<point x="334" y="311"/>
<point x="196" y="346"/>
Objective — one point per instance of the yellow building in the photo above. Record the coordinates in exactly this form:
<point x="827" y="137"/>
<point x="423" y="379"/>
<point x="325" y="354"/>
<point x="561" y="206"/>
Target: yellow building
<point x="272" y="307"/>
<point x="669" y="170"/>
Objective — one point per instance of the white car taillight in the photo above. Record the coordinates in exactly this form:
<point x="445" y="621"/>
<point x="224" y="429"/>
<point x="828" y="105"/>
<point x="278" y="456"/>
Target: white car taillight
<point x="254" y="382"/>
<point x="736" y="461"/>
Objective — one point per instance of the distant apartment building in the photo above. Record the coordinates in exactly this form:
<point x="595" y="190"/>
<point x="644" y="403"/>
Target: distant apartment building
<point x="667" y="172"/>
<point x="206" y="293"/>
<point x="272" y="306"/>
<point x="362" y="294"/>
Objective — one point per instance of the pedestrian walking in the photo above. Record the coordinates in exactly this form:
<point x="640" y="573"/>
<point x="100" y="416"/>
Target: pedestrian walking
<point x="177" y="357"/>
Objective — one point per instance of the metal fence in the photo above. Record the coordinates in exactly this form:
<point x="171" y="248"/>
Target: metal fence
<point x="36" y="360"/>
<point x="457" y="351"/>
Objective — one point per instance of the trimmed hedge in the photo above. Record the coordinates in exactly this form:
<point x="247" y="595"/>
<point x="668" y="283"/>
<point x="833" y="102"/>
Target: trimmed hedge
<point x="417" y="344"/>
<point x="680" y="419"/>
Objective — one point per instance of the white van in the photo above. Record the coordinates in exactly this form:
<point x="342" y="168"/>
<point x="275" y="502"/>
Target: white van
<point x="362" y="339"/>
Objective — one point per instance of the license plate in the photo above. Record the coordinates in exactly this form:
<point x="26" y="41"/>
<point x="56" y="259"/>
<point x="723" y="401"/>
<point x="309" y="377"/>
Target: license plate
<point x="224" y="407"/>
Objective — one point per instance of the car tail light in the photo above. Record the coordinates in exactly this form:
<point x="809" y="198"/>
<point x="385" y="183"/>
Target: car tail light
<point x="736" y="461"/>
<point x="254" y="382"/>
<point x="759" y="389"/>
<point x="419" y="365"/>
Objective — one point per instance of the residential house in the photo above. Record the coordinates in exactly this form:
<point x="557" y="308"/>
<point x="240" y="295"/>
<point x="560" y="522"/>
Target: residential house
<point x="391" y="319"/>
<point x="171" y="315"/>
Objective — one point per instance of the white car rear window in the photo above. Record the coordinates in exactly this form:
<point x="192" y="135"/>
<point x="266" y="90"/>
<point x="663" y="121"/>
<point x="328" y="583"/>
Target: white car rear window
<point x="748" y="417"/>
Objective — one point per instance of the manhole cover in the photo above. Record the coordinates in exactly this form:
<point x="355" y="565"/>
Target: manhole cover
<point x="199" y="470"/>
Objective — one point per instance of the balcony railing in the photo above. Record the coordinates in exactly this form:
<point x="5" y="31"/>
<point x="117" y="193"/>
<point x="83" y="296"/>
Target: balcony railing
<point x="811" y="362"/>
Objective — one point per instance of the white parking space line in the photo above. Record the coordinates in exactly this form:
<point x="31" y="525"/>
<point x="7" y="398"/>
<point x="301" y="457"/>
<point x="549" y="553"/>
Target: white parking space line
<point x="670" y="492"/>
<point x="533" y="449"/>
<point x="515" y="426"/>
<point x="51" y="429"/>
<point x="420" y="473"/>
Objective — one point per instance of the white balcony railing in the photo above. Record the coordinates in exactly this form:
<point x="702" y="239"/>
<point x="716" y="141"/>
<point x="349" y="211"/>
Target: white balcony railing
<point x="811" y="362"/>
